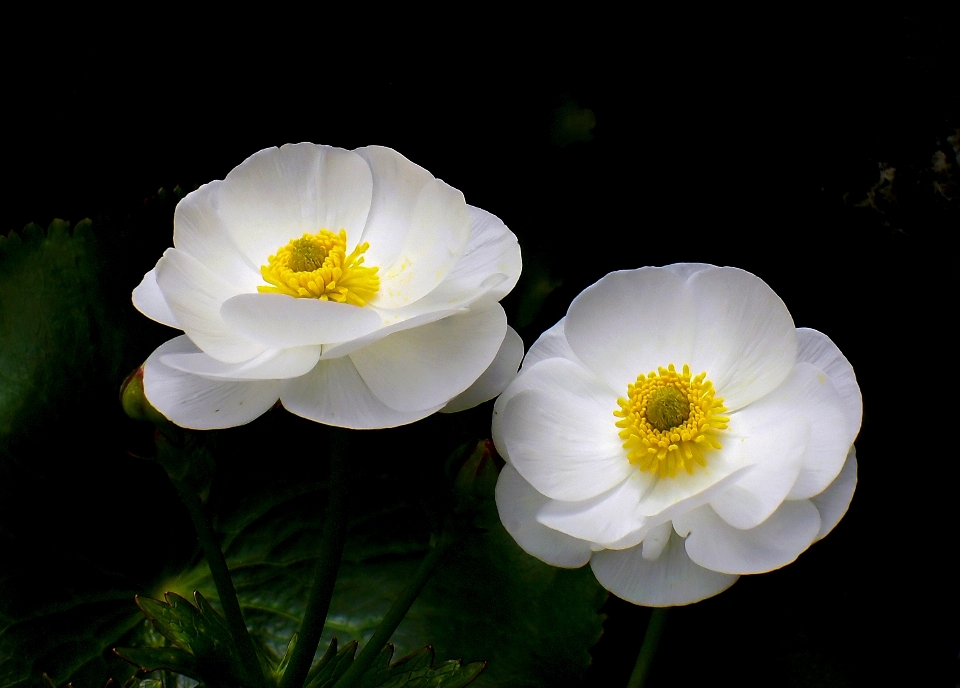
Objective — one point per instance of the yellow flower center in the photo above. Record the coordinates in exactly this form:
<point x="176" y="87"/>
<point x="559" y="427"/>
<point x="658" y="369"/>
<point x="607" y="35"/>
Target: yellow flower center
<point x="670" y="421"/>
<point x="316" y="266"/>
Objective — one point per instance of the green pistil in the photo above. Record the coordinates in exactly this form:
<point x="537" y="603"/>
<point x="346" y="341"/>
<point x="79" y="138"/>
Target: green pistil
<point x="305" y="256"/>
<point x="667" y="408"/>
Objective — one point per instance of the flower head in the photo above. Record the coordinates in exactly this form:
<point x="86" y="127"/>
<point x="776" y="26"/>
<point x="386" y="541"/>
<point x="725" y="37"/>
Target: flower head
<point x="676" y="430"/>
<point x="353" y="286"/>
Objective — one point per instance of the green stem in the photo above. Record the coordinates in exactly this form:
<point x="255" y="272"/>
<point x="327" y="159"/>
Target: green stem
<point x="223" y="582"/>
<point x="394" y="616"/>
<point x="651" y="639"/>
<point x="331" y="550"/>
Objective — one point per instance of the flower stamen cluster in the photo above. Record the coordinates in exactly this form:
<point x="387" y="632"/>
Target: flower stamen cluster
<point x="317" y="266"/>
<point x="670" y="420"/>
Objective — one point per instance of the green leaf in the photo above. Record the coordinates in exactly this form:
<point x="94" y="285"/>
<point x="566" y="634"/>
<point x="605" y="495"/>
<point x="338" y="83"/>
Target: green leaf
<point x="531" y="622"/>
<point x="488" y="600"/>
<point x="68" y="635"/>
<point x="417" y="670"/>
<point x="201" y="633"/>
<point x="168" y="658"/>
<point x="54" y="332"/>
<point x="281" y="666"/>
<point x="70" y="566"/>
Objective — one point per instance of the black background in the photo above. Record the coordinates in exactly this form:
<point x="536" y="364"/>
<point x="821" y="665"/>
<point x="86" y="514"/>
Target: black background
<point x="734" y="140"/>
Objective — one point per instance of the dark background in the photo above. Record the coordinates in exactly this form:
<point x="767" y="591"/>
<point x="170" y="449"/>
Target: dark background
<point x="745" y="141"/>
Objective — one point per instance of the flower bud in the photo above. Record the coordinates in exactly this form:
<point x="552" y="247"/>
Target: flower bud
<point x="135" y="403"/>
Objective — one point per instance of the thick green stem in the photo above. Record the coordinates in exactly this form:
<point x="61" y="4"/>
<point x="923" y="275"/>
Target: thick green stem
<point x="651" y="639"/>
<point x="223" y="582"/>
<point x="394" y="616"/>
<point x="331" y="550"/>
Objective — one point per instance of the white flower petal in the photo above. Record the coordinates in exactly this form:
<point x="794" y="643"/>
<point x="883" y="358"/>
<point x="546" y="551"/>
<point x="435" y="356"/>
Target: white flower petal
<point x="638" y="536"/>
<point x="833" y="502"/>
<point x="429" y="365"/>
<point x="745" y="339"/>
<point x="672" y="495"/>
<point x="149" y="300"/>
<point x="518" y="503"/>
<point x="335" y="394"/>
<point x="718" y="546"/>
<point x="826" y="451"/>
<point x="437" y="235"/>
<point x="561" y="435"/>
<point x="491" y="249"/>
<point x="551" y="344"/>
<point x="603" y="519"/>
<point x="486" y="272"/>
<point x="656" y="540"/>
<point x="671" y="580"/>
<point x="397" y="183"/>
<point x="399" y="325"/>
<point x="616" y="519"/>
<point x="688" y="270"/>
<point x="195" y="295"/>
<point x="200" y="403"/>
<point x="280" y="321"/>
<point x="199" y="232"/>
<point x="818" y="350"/>
<point x="279" y="194"/>
<point x="778" y="432"/>
<point x="495" y="378"/>
<point x="520" y="383"/>
<point x="272" y="364"/>
<point x="652" y="325"/>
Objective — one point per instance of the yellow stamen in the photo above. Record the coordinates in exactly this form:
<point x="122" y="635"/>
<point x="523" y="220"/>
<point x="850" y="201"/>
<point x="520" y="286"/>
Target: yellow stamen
<point x="316" y="266"/>
<point x="670" y="421"/>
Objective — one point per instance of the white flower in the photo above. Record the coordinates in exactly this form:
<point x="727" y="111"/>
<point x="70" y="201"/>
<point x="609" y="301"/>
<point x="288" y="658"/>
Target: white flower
<point x="353" y="286"/>
<point x="620" y="451"/>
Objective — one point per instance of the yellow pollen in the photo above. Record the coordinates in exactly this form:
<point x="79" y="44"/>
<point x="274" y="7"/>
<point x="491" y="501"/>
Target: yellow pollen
<point x="316" y="266"/>
<point x="670" y="421"/>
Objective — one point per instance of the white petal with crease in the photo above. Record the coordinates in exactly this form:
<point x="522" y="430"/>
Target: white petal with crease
<point x="652" y="328"/>
<point x="781" y="432"/>
<point x="273" y="364"/>
<point x="776" y="542"/>
<point x="195" y="295"/>
<point x="438" y="232"/>
<point x="431" y="364"/>
<point x="335" y="394"/>
<point x="518" y="503"/>
<point x="199" y="403"/>
<point x="199" y="231"/>
<point x="149" y="300"/>
<point x="551" y="344"/>
<point x="818" y="350"/>
<point x="494" y="379"/>
<point x="397" y="183"/>
<point x="602" y="519"/>
<point x="279" y="194"/>
<point x="397" y="323"/>
<point x="561" y="436"/>
<point x="744" y="336"/>
<point x="280" y="321"/>
<point x="829" y="441"/>
<point x="656" y="540"/>
<point x="833" y="502"/>
<point x="670" y="580"/>
<point x="488" y="269"/>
